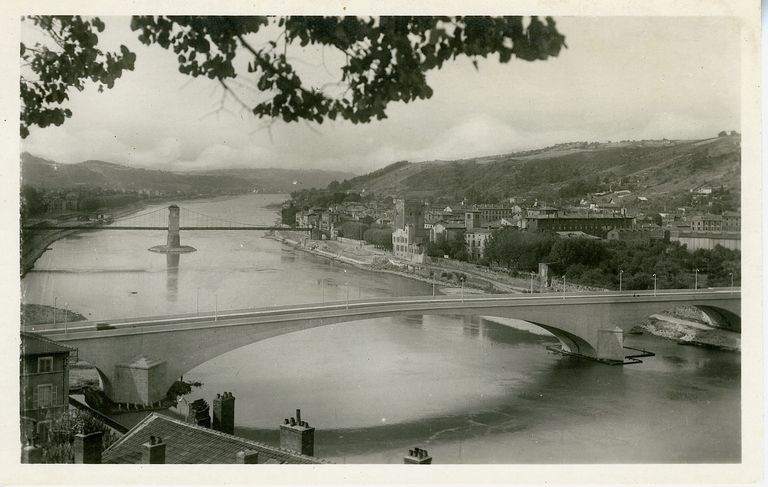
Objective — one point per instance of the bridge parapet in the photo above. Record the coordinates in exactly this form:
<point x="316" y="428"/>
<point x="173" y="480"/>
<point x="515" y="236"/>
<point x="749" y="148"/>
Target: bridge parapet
<point x="588" y="324"/>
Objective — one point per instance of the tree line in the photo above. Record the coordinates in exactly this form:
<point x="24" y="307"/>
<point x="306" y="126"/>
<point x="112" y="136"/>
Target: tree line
<point x="599" y="263"/>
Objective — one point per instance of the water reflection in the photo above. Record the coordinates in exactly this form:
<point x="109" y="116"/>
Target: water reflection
<point x="172" y="276"/>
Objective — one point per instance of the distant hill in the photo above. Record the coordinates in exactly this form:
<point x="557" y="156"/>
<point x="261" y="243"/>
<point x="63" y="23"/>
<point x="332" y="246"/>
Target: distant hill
<point x="662" y="169"/>
<point x="42" y="173"/>
<point x="274" y="180"/>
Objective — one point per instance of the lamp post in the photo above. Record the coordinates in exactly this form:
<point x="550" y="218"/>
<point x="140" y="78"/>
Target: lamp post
<point x="433" y="288"/>
<point x="322" y="286"/>
<point x="55" y="298"/>
<point x="346" y="282"/>
<point x="462" y="288"/>
<point x="731" y="282"/>
<point x="654" y="284"/>
<point x="621" y="271"/>
<point x="65" y="318"/>
<point x="563" y="286"/>
<point x="696" y="280"/>
<point x="531" y="282"/>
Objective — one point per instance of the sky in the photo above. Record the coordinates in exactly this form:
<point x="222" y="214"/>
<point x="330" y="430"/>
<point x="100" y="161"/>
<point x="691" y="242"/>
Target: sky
<point x="620" y="78"/>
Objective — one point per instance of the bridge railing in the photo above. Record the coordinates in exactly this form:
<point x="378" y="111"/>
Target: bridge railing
<point x="469" y="299"/>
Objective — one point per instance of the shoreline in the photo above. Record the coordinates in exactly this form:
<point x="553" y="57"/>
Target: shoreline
<point x="444" y="287"/>
<point x="39" y="243"/>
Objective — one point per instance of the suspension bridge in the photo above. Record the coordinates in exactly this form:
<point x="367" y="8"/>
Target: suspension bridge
<point x="162" y="219"/>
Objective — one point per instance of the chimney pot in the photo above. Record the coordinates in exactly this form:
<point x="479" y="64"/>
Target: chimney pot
<point x="298" y="415"/>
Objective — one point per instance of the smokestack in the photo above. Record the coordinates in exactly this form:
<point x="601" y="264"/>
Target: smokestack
<point x="153" y="451"/>
<point x="417" y="456"/>
<point x="296" y="435"/>
<point x="224" y="413"/>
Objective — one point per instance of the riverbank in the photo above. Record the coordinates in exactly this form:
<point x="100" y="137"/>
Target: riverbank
<point x="690" y="332"/>
<point x="374" y="264"/>
<point x="35" y="314"/>
<point x="36" y="242"/>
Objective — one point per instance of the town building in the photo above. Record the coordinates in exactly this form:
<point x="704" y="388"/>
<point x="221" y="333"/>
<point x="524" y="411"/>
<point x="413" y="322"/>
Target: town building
<point x="731" y="221"/>
<point x="489" y="213"/>
<point x="476" y="241"/>
<point x="410" y="212"/>
<point x="44" y="388"/>
<point x="446" y="231"/>
<point x="405" y="247"/>
<point x="707" y="223"/>
<point x="597" y="225"/>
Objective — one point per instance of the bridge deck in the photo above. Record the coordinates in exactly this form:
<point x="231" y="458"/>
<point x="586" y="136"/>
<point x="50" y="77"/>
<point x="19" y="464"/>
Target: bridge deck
<point x="415" y="304"/>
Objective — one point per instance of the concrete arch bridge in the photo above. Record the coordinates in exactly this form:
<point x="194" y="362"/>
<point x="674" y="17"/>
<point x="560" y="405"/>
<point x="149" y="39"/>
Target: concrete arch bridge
<point x="139" y="359"/>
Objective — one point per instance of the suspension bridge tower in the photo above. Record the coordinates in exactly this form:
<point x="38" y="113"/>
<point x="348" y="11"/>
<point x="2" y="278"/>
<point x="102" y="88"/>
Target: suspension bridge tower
<point x="173" y="244"/>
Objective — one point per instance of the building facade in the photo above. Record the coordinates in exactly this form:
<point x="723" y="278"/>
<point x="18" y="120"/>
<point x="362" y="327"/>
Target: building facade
<point x="44" y="377"/>
<point x="476" y="241"/>
<point x="597" y="225"/>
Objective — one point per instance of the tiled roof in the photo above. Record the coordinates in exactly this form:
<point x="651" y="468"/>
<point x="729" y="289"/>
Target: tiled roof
<point x="192" y="444"/>
<point x="33" y="344"/>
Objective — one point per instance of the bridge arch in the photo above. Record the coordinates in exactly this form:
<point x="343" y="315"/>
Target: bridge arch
<point x="577" y="322"/>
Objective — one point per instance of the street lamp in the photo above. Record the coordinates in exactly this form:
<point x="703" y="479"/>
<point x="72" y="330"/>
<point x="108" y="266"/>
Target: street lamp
<point x="65" y="318"/>
<point x="696" y="280"/>
<point x="621" y="271"/>
<point x="55" y="298"/>
<point x="346" y="281"/>
<point x="563" y="286"/>
<point x="731" y="282"/>
<point x="654" y="284"/>
<point x="462" y="288"/>
<point x="531" y="282"/>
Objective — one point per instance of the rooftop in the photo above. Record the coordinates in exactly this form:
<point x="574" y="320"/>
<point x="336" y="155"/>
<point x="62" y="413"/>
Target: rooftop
<point x="192" y="444"/>
<point x="32" y="344"/>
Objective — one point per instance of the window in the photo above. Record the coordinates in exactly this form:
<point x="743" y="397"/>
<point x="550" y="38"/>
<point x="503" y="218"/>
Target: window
<point x="44" y="364"/>
<point x="43" y="396"/>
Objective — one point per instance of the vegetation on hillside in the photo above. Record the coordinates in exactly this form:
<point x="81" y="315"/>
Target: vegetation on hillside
<point x="599" y="262"/>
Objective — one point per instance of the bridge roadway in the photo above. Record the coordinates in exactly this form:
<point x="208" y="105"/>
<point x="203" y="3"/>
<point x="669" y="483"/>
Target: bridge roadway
<point x="589" y="324"/>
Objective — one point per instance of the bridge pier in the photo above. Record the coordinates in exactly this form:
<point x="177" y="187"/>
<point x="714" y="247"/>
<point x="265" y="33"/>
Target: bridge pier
<point x="141" y="381"/>
<point x="610" y="344"/>
<point x="173" y="243"/>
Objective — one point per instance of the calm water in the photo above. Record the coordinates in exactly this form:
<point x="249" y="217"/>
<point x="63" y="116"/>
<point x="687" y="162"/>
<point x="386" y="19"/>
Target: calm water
<point x="468" y="390"/>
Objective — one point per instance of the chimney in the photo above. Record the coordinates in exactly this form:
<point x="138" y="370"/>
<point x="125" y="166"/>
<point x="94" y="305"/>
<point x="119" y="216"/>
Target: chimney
<point x="247" y="457"/>
<point x="296" y="435"/>
<point x="153" y="451"/>
<point x="31" y="453"/>
<point x="88" y="447"/>
<point x="417" y="456"/>
<point x="199" y="413"/>
<point x="224" y="413"/>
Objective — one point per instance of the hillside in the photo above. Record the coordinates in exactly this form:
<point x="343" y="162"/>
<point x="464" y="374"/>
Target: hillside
<point x="661" y="170"/>
<point x="45" y="174"/>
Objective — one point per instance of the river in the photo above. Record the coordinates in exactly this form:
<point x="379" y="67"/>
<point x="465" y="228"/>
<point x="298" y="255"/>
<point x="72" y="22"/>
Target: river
<point x="467" y="390"/>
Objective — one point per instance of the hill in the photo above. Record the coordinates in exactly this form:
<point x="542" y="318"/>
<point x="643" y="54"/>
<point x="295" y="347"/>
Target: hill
<point x="663" y="171"/>
<point x="45" y="174"/>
